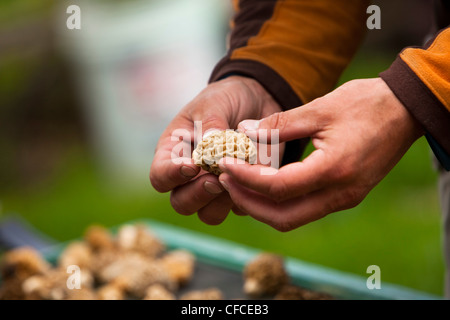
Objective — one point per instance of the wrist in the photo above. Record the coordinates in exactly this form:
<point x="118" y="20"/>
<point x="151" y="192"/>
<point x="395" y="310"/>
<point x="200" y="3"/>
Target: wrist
<point x="257" y="89"/>
<point x="413" y="128"/>
<point x="253" y="92"/>
<point x="247" y="82"/>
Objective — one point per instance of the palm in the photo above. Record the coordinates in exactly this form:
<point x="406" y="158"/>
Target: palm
<point x="221" y="105"/>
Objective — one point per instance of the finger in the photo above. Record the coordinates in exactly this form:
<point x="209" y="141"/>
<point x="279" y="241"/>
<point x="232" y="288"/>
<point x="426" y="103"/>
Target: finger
<point x="205" y="122"/>
<point x="192" y="196"/>
<point x="169" y="169"/>
<point x="172" y="165"/>
<point x="237" y="211"/>
<point x="290" y="181"/>
<point x="287" y="215"/>
<point x="296" y="123"/>
<point x="216" y="211"/>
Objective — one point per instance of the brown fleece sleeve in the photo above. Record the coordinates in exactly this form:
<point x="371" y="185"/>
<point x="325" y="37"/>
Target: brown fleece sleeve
<point x="296" y="49"/>
<point x="420" y="78"/>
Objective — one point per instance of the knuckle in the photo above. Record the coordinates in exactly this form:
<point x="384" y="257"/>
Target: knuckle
<point x="210" y="217"/>
<point x="178" y="206"/>
<point x="239" y="205"/>
<point x="212" y="122"/>
<point x="238" y="211"/>
<point x="278" y="120"/>
<point x="348" y="198"/>
<point x="343" y="172"/>
<point x="279" y="191"/>
<point x="164" y="179"/>
<point x="156" y="182"/>
<point x="173" y="175"/>
<point x="210" y="118"/>
<point x="283" y="227"/>
<point x="355" y="196"/>
<point x="207" y="219"/>
<point x="282" y="224"/>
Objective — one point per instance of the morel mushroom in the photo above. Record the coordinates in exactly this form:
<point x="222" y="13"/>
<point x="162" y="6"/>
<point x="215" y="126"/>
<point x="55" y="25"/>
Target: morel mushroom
<point x="291" y="292"/>
<point x="53" y="286"/>
<point x="205" y="294"/>
<point x="140" y="239"/>
<point x="264" y="275"/>
<point x="180" y="265"/>
<point x="17" y="266"/>
<point x="221" y="144"/>
<point x="136" y="272"/>
<point x="76" y="253"/>
<point x="158" y="292"/>
<point x="99" y="238"/>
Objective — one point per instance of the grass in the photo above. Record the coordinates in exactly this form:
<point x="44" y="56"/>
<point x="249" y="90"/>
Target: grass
<point x="12" y="11"/>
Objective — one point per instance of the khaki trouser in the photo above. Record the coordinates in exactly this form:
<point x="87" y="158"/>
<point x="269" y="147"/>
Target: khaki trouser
<point x="444" y="195"/>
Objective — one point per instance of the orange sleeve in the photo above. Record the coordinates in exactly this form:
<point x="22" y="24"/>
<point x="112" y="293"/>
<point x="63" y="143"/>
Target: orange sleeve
<point x="432" y="66"/>
<point x="420" y="78"/>
<point x="296" y="49"/>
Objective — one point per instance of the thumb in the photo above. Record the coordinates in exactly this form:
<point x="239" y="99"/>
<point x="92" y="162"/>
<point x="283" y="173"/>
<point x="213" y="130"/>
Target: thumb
<point x="293" y="124"/>
<point x="207" y="125"/>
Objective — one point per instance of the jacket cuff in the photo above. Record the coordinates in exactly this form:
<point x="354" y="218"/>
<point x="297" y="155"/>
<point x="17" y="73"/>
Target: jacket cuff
<point x="280" y="90"/>
<point x="421" y="103"/>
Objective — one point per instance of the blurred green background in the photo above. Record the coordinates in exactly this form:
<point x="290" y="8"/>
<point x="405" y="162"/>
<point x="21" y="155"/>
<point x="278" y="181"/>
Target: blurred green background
<point x="50" y="173"/>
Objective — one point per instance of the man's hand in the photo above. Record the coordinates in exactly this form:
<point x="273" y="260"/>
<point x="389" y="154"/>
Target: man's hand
<point x="360" y="131"/>
<point x="221" y="105"/>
